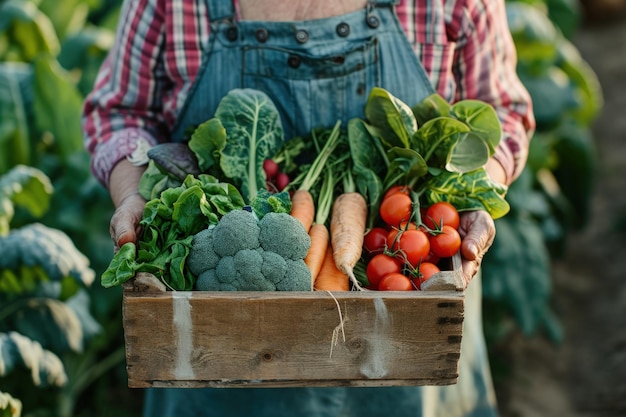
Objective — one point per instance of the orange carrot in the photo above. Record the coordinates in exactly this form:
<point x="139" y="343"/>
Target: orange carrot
<point x="330" y="277"/>
<point x="303" y="208"/>
<point x="347" y="228"/>
<point x="317" y="251"/>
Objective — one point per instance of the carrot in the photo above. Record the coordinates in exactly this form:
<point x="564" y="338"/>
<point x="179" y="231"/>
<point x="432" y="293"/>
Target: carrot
<point x="320" y="238"/>
<point x="347" y="228"/>
<point x="330" y="277"/>
<point x="303" y="208"/>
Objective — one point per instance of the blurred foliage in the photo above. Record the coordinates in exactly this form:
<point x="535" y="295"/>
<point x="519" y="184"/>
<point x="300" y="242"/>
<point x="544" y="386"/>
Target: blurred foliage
<point x="50" y="51"/>
<point x="553" y="195"/>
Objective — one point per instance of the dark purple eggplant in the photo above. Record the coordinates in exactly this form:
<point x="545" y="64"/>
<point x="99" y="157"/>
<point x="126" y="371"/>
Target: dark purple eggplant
<point x="175" y="158"/>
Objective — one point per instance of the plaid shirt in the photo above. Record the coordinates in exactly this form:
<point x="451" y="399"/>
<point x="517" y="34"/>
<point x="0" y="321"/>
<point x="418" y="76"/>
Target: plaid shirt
<point x="464" y="45"/>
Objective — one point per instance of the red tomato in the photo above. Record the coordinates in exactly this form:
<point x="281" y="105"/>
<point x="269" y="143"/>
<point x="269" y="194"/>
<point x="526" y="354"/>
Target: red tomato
<point x="446" y="243"/>
<point x="379" y="266"/>
<point x="441" y="213"/>
<point x="396" y="208"/>
<point x="374" y="241"/>
<point x="426" y="270"/>
<point x="431" y="257"/>
<point x="397" y="189"/>
<point x="395" y="282"/>
<point x="412" y="245"/>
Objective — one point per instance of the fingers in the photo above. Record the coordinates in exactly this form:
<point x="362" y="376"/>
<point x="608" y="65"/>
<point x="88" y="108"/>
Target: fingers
<point x="477" y="231"/>
<point x="124" y="226"/>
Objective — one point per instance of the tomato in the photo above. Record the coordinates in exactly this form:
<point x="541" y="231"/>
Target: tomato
<point x="441" y="213"/>
<point x="374" y="241"/>
<point x="426" y="270"/>
<point x="396" y="209"/>
<point x="379" y="266"/>
<point x="446" y="243"/>
<point x="271" y="169"/>
<point x="412" y="245"/>
<point x="404" y="189"/>
<point x="431" y="257"/>
<point x="395" y="282"/>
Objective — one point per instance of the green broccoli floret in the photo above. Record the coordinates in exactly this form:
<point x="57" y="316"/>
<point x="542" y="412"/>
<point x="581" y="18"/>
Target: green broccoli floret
<point x="207" y="281"/>
<point x="274" y="266"/>
<point x="297" y="277"/>
<point x="236" y="230"/>
<point x="242" y="253"/>
<point x="285" y="235"/>
<point x="202" y="256"/>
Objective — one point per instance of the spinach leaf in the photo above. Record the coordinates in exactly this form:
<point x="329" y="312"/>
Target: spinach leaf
<point x="392" y="118"/>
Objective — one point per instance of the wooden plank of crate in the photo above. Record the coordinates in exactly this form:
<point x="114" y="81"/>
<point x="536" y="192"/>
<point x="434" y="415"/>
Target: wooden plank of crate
<point x="190" y="339"/>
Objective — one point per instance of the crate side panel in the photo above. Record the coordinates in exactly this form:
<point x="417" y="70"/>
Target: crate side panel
<point x="192" y="337"/>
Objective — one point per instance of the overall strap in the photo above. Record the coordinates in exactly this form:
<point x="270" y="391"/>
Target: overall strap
<point x="221" y="10"/>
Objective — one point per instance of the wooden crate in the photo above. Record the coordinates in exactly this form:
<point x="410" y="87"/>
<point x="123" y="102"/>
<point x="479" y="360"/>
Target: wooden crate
<point x="283" y="339"/>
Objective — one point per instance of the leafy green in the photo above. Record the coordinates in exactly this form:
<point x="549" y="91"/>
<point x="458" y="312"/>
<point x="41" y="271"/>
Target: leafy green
<point x="169" y="223"/>
<point x="255" y="133"/>
<point x="442" y="159"/>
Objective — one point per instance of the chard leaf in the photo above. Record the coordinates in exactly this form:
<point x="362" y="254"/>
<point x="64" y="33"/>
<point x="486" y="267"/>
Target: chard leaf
<point x="470" y="191"/>
<point x="255" y="133"/>
<point x="122" y="267"/>
<point x="207" y="142"/>
<point x="482" y="119"/>
<point x="392" y="118"/>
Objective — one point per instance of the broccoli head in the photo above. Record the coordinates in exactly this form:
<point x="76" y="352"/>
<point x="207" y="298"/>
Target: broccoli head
<point x="297" y="277"/>
<point x="237" y="230"/>
<point x="202" y="256"/>
<point x="285" y="235"/>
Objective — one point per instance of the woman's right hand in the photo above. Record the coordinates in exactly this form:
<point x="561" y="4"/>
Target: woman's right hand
<point x="125" y="221"/>
<point x="129" y="205"/>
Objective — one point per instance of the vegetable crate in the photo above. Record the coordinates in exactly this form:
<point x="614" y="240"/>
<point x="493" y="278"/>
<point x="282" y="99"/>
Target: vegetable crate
<point x="286" y="339"/>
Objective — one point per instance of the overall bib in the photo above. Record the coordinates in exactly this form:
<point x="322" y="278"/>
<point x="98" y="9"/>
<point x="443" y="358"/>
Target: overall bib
<point x="317" y="72"/>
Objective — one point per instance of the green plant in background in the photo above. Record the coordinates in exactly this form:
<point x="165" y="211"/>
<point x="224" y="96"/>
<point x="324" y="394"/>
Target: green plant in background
<point x="50" y="51"/>
<point x="44" y="307"/>
<point x="553" y="195"/>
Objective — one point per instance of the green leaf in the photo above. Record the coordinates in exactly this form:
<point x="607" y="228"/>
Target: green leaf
<point x="15" y="108"/>
<point x="187" y="213"/>
<point x="207" y="142"/>
<point x="392" y="118"/>
<point x="267" y="202"/>
<point x="430" y="108"/>
<point x="436" y="139"/>
<point x="470" y="191"/>
<point x="29" y="28"/>
<point x="482" y="119"/>
<point x="52" y="323"/>
<point x="255" y="133"/>
<point x="406" y="167"/>
<point x="17" y="350"/>
<point x="23" y="186"/>
<point x="58" y="106"/>
<point x="122" y="267"/>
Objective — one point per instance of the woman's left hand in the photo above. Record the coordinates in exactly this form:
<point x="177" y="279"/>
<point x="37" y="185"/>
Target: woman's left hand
<point x="477" y="231"/>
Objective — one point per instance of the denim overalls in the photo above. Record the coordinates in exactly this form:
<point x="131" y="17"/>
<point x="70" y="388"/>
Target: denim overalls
<point x="317" y="72"/>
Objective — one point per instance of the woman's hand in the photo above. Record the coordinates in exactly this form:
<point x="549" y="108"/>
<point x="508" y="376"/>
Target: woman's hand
<point x="125" y="221"/>
<point x="477" y="231"/>
<point x="129" y="205"/>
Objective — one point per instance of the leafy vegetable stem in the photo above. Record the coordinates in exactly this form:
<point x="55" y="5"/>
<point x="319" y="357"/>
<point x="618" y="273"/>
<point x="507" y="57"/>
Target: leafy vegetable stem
<point x="320" y="161"/>
<point x="415" y="196"/>
<point x="325" y="200"/>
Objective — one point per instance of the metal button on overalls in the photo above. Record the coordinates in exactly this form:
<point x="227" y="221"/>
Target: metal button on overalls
<point x="343" y="29"/>
<point x="261" y="35"/>
<point x="302" y="36"/>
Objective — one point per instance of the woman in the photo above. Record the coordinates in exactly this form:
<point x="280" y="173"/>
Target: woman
<point x="174" y="60"/>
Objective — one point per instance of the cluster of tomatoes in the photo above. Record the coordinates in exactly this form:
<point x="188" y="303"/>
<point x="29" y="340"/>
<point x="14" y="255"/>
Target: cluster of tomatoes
<point x="403" y="253"/>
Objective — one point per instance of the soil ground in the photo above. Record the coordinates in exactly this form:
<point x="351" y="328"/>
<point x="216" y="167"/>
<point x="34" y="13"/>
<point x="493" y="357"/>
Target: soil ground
<point x="585" y="376"/>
